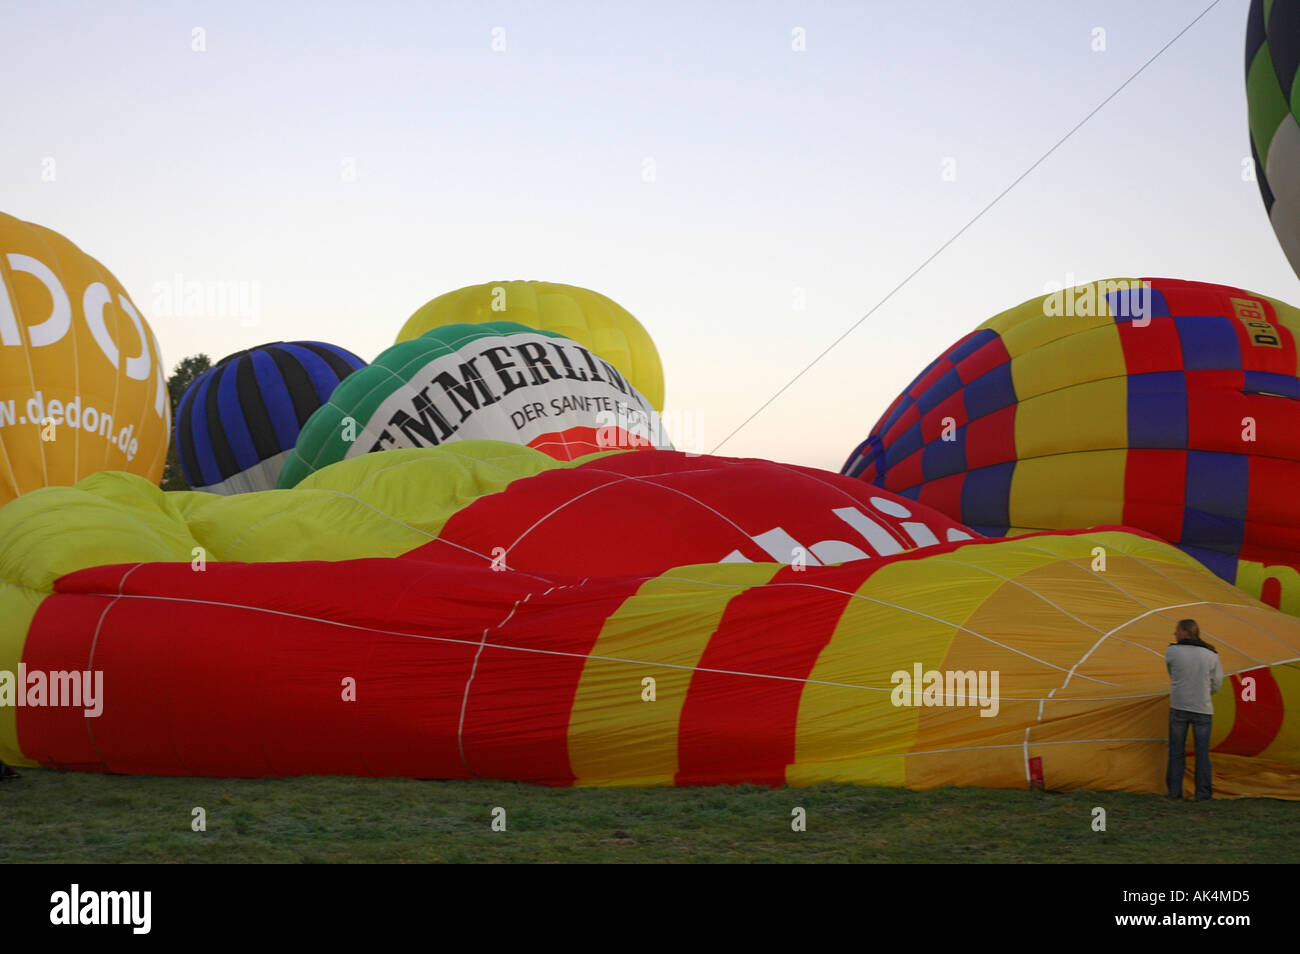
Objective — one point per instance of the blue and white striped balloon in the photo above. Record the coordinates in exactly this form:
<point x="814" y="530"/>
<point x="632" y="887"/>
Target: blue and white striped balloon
<point x="238" y="420"/>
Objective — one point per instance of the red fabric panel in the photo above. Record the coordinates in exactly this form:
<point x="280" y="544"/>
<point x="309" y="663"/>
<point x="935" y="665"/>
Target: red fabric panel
<point x="900" y="426"/>
<point x="1155" y="484"/>
<point x="987" y="357"/>
<point x="517" y="718"/>
<point x="1196" y="298"/>
<point x="927" y="381"/>
<point x="653" y="510"/>
<point x="736" y="729"/>
<point x="1214" y="415"/>
<point x="60" y="638"/>
<point x="578" y="442"/>
<point x="1257" y="723"/>
<point x="991" y="439"/>
<point x="944" y="494"/>
<point x="906" y="473"/>
<point x="953" y="406"/>
<point x="238" y="670"/>
<point x="1154" y="347"/>
<point x="1272" y="531"/>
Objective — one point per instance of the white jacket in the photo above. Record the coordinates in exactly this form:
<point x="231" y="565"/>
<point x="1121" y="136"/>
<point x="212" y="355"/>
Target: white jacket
<point x="1194" y="674"/>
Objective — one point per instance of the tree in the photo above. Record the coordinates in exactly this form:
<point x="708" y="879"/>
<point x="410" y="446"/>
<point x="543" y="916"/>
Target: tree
<point x="185" y="373"/>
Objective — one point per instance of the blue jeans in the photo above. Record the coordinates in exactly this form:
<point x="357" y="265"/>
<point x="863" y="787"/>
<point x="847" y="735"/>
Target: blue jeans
<point x="1179" y="720"/>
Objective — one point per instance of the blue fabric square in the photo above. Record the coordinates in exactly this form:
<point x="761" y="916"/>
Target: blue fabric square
<point x="1222" y="565"/>
<point x="940" y="391"/>
<point x="942" y="458"/>
<point x="972" y="344"/>
<point x="1217" y="484"/>
<point x="1157" y="410"/>
<point x="1268" y="382"/>
<point x="990" y="392"/>
<point x="1129" y="303"/>
<point x="1208" y="342"/>
<point x="986" y="496"/>
<point x="908" y="443"/>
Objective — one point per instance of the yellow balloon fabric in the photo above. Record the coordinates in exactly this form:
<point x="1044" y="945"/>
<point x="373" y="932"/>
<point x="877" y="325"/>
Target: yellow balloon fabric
<point x="587" y="317"/>
<point x="82" y="384"/>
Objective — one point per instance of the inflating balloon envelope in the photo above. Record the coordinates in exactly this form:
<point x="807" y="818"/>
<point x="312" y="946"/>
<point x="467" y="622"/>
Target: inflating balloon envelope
<point x="644" y="617"/>
<point x="82" y="385"/>
<point x="238" y="421"/>
<point x="494" y="380"/>
<point x="593" y="320"/>
<point x="1272" y="59"/>
<point x="1171" y="406"/>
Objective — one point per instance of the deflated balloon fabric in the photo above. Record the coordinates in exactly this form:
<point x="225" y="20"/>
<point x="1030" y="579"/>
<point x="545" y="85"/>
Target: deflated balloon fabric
<point x="280" y="655"/>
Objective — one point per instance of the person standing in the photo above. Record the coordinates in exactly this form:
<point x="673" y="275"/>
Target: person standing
<point x="1194" y="676"/>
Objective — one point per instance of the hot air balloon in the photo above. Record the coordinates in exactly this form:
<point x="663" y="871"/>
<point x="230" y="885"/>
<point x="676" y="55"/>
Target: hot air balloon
<point x="1272" y="58"/>
<point x="495" y="381"/>
<point x="81" y="377"/>
<point x="597" y="323"/>
<point x="1172" y="406"/>
<point x="1004" y="663"/>
<point x="238" y="421"/>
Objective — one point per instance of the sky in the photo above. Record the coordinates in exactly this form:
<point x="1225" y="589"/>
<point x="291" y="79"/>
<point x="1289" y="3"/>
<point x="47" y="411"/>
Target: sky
<point x="748" y="179"/>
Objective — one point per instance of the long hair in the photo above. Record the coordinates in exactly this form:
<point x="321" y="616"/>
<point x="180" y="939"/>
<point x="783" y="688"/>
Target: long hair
<point x="1193" y="632"/>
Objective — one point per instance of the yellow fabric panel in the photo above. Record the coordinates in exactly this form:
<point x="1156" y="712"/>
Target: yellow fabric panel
<point x="1084" y="417"/>
<point x="1013" y="317"/>
<point x="971" y="749"/>
<point x="1068" y="490"/>
<point x="1093" y="655"/>
<point x="854" y="730"/>
<point x="1224" y="700"/>
<point x="1055" y="314"/>
<point x="17" y="607"/>
<point x="1095" y="746"/>
<point x="1031" y="328"/>
<point x="1158" y="556"/>
<point x="1252" y="575"/>
<point x="1240" y="777"/>
<point x="1129" y="723"/>
<point x="615" y="736"/>
<point x="1060" y="365"/>
<point x="1029" y="632"/>
<point x="384" y="500"/>
<point x="1079" y="654"/>
<point x="1285" y="747"/>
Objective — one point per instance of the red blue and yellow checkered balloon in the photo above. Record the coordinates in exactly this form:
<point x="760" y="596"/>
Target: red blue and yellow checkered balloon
<point x="1171" y="406"/>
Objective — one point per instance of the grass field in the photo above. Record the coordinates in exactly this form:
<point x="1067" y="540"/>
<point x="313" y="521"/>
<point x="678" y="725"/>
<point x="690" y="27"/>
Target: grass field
<point x="69" y="817"/>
